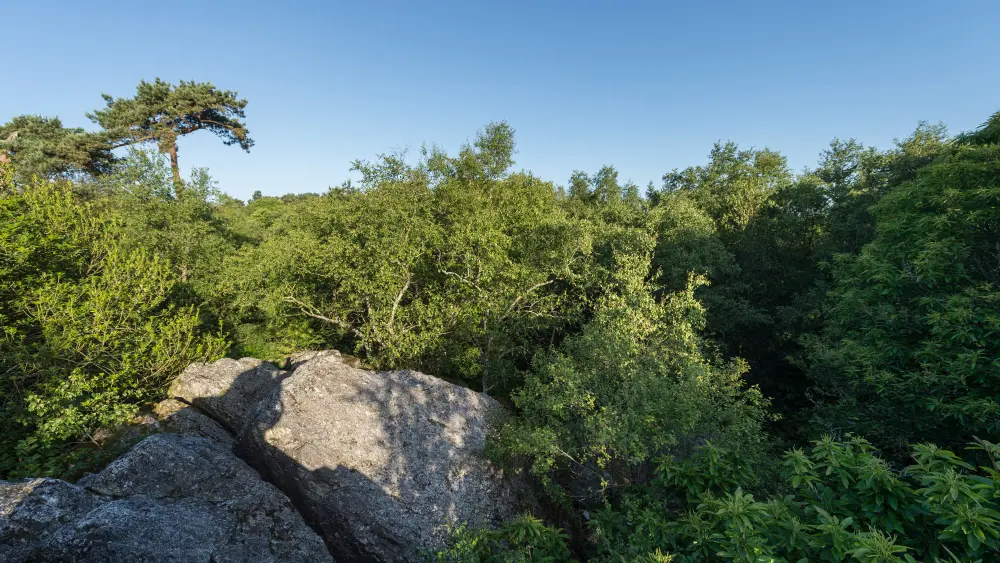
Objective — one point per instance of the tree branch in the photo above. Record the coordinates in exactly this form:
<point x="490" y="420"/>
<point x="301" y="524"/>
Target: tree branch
<point x="529" y="290"/>
<point x="399" y="298"/>
<point x="466" y="280"/>
<point x="310" y="311"/>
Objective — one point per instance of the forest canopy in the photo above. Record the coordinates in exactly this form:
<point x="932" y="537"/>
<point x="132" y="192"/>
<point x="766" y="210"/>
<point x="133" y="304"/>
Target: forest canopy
<point x="743" y="363"/>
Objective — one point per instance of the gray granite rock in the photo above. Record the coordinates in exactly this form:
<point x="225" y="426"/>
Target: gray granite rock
<point x="181" y="418"/>
<point x="213" y="389"/>
<point x="379" y="462"/>
<point x="170" y="498"/>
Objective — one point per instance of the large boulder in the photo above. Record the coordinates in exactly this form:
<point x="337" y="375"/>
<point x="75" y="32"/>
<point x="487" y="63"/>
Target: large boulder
<point x="170" y="498"/>
<point x="381" y="463"/>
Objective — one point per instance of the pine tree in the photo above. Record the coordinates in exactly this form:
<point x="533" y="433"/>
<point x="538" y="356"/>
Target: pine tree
<point x="161" y="112"/>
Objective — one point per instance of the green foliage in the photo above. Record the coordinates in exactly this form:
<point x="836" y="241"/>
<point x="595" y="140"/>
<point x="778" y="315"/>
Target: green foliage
<point x="723" y="219"/>
<point x="735" y="186"/>
<point x="838" y="502"/>
<point x="186" y="231"/>
<point x="987" y="133"/>
<point x="349" y="265"/>
<point x="688" y="241"/>
<point x="161" y="112"/>
<point x="637" y="382"/>
<point x="456" y="265"/>
<point x="525" y="539"/>
<point x="909" y="350"/>
<point x="90" y="331"/>
<point x="41" y="146"/>
<point x="766" y="240"/>
<point x="508" y="255"/>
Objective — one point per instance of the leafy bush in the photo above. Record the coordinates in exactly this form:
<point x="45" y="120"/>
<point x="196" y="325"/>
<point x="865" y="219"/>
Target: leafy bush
<point x="838" y="501"/>
<point x="456" y="265"/>
<point x="637" y="382"/>
<point x="523" y="539"/>
<point x="89" y="329"/>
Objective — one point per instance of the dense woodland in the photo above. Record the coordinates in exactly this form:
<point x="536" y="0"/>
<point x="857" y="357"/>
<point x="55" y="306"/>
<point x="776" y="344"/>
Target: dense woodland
<point x="742" y="363"/>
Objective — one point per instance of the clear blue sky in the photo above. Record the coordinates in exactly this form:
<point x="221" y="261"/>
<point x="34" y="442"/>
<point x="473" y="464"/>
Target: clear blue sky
<point x="646" y="87"/>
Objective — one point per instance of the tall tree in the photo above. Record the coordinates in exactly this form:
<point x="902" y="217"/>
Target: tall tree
<point x="161" y="112"/>
<point x="909" y="348"/>
<point x="734" y="186"/>
<point x="579" y="186"/>
<point x="606" y="188"/>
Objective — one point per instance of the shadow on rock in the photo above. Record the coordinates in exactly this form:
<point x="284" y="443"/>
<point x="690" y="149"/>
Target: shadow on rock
<point x="378" y="463"/>
<point x="170" y="498"/>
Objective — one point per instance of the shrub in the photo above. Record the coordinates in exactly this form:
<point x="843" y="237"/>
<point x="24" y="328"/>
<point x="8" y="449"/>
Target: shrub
<point x="89" y="331"/>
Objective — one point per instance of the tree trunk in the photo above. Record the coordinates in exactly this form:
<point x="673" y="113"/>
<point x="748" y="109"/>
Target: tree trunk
<point x="175" y="169"/>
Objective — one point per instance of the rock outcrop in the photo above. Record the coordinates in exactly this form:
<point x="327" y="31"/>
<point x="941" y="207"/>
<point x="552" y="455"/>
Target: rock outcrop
<point x="170" y="498"/>
<point x="263" y="464"/>
<point x="380" y="463"/>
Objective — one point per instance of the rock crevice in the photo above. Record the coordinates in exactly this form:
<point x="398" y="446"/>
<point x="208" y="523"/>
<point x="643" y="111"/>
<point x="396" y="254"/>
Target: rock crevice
<point x="170" y="498"/>
<point x="379" y="463"/>
<point x="297" y="464"/>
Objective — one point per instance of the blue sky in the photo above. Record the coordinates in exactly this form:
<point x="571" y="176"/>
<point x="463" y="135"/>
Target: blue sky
<point x="645" y="87"/>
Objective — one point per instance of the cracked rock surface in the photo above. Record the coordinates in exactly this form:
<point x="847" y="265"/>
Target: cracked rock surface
<point x="379" y="463"/>
<point x="170" y="498"/>
<point x="263" y="464"/>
